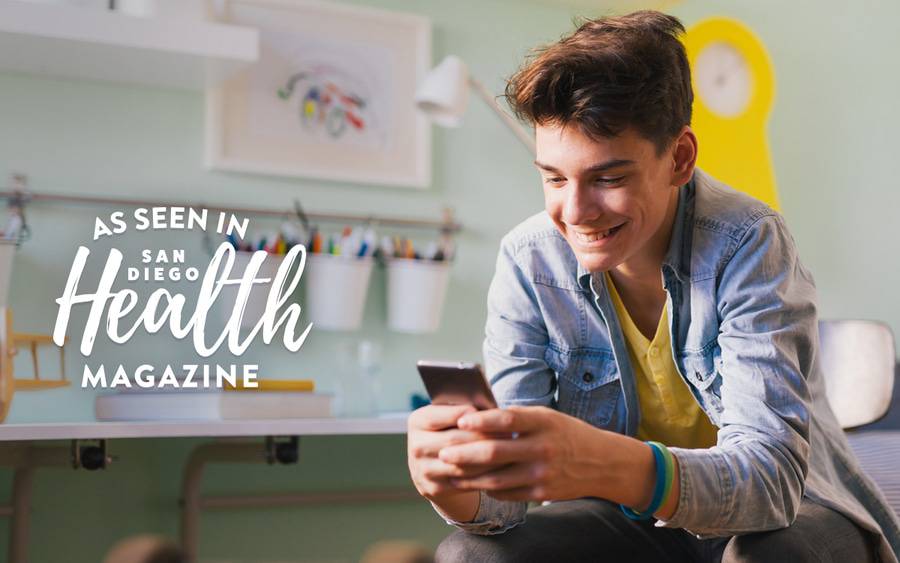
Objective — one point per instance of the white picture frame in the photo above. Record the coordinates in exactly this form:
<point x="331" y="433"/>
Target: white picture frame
<point x="331" y="97"/>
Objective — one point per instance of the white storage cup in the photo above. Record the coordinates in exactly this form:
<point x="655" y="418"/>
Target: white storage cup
<point x="416" y="292"/>
<point x="7" y="253"/>
<point x="336" y="288"/>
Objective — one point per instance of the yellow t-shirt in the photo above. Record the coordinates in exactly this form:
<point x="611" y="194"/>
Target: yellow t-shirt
<point x="669" y="412"/>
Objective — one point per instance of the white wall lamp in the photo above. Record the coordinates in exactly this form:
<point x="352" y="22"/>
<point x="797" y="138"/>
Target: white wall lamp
<point x="444" y="94"/>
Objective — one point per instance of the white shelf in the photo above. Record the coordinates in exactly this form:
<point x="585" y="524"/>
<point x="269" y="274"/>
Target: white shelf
<point x="388" y="424"/>
<point x="77" y="42"/>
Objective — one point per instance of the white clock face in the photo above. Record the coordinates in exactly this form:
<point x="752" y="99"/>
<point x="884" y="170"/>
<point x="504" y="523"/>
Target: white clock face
<point x="723" y="80"/>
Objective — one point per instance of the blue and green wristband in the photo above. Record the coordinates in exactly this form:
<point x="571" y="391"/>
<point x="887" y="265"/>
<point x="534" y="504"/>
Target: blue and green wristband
<point x="665" y="475"/>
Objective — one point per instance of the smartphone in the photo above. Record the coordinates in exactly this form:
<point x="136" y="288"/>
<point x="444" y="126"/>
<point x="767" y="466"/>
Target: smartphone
<point x="456" y="383"/>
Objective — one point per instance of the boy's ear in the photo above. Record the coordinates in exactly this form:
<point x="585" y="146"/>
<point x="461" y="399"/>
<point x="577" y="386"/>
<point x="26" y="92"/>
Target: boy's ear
<point x="684" y="157"/>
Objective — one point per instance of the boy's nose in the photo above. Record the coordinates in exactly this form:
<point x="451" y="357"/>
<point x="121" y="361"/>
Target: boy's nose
<point x="579" y="207"/>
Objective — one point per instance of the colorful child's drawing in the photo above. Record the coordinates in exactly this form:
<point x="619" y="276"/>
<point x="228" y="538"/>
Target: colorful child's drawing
<point x="324" y="104"/>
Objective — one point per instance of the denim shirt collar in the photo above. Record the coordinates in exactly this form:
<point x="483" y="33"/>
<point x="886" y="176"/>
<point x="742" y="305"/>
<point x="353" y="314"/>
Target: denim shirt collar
<point x="678" y="255"/>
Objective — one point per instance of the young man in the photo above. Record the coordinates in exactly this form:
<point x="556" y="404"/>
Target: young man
<point x="653" y="338"/>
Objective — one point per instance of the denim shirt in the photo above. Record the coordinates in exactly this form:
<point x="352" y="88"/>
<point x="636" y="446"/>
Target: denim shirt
<point x="744" y="333"/>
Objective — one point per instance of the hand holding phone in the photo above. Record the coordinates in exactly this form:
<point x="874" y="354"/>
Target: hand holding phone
<point x="456" y="383"/>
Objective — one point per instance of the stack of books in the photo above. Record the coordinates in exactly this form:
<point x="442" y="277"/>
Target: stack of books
<point x="272" y="399"/>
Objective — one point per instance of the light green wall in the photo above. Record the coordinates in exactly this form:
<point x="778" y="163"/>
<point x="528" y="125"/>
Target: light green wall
<point x="95" y="138"/>
<point x="834" y="161"/>
<point x="833" y="135"/>
<point x="119" y="140"/>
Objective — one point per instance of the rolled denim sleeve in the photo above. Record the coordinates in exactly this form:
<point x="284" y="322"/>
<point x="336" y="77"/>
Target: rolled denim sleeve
<point x="514" y="347"/>
<point x="754" y="478"/>
<point x="493" y="516"/>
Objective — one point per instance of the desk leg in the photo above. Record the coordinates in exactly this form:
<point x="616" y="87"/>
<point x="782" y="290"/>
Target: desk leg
<point x="270" y="452"/>
<point x="218" y="452"/>
<point x="26" y="458"/>
<point x="21" y="515"/>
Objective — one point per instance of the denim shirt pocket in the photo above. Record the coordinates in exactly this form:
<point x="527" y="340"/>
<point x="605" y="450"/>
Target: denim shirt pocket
<point x="587" y="383"/>
<point x="701" y="369"/>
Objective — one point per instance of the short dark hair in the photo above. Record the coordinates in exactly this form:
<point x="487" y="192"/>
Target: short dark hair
<point x="610" y="74"/>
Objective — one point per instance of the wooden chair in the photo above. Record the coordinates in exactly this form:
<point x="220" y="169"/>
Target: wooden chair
<point x="10" y="344"/>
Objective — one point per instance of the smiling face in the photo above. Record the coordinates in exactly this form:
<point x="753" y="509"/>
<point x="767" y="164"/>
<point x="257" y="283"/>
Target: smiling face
<point x="613" y="199"/>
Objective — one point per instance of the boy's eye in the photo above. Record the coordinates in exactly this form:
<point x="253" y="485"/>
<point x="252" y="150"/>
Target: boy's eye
<point x="608" y="181"/>
<point x="605" y="181"/>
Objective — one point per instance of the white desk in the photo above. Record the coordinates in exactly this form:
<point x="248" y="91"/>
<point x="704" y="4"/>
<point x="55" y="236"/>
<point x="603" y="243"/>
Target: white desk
<point x="388" y="424"/>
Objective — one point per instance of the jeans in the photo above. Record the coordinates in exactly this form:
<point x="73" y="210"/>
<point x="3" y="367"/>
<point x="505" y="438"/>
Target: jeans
<point x="594" y="530"/>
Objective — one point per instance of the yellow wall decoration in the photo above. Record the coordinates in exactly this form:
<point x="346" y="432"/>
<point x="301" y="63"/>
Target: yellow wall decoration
<point x="734" y="87"/>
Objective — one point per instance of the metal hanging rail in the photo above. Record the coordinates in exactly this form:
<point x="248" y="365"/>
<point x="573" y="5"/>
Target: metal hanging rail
<point x="446" y="224"/>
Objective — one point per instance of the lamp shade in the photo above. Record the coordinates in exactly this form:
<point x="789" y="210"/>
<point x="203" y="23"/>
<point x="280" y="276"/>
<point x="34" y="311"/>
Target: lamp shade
<point x="444" y="93"/>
